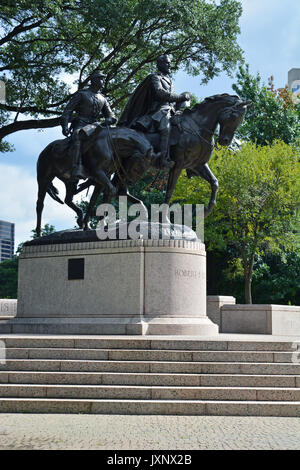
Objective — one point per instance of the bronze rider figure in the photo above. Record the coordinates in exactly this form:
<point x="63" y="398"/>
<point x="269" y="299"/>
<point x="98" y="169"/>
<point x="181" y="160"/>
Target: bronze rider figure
<point x="151" y="107"/>
<point x="90" y="106"/>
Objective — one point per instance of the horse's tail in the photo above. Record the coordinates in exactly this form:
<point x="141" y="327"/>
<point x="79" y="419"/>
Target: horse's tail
<point x="53" y="192"/>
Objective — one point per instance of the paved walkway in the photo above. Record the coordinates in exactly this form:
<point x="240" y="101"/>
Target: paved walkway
<point x="42" y="431"/>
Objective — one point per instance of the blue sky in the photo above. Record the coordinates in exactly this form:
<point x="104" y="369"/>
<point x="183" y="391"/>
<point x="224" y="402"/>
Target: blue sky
<point x="270" y="38"/>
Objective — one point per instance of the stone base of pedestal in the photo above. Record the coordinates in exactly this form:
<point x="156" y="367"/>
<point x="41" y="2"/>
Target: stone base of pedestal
<point x="110" y="326"/>
<point x="180" y="326"/>
<point x="134" y="287"/>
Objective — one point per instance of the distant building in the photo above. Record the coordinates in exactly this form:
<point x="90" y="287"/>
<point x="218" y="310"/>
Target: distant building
<point x="294" y="83"/>
<point x="7" y="240"/>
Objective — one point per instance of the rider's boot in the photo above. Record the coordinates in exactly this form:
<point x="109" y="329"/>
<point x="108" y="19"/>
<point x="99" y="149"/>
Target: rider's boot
<point x="165" y="161"/>
<point x="77" y="168"/>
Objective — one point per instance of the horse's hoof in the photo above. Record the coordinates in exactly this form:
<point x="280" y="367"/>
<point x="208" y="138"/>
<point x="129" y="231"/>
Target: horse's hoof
<point x="209" y="209"/>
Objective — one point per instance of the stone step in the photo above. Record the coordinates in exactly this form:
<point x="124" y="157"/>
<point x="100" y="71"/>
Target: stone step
<point x="104" y="342"/>
<point x="117" y="375"/>
<point x="149" y="392"/>
<point x="145" y="407"/>
<point x="148" y="355"/>
<point x="154" y="366"/>
<point x="119" y="378"/>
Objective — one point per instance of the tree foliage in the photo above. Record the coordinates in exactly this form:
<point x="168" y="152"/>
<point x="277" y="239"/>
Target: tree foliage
<point x="43" y="42"/>
<point x="276" y="278"/>
<point x="259" y="193"/>
<point x="9" y="278"/>
<point x="273" y="115"/>
<point x="9" y="269"/>
<point x="46" y="230"/>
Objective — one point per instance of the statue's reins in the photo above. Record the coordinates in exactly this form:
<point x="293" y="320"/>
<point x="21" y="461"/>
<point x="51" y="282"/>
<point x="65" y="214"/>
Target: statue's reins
<point x="197" y="134"/>
<point x="115" y="151"/>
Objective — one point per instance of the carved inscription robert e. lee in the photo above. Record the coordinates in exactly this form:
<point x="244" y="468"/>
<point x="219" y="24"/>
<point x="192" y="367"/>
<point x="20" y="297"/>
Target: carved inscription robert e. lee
<point x="189" y="274"/>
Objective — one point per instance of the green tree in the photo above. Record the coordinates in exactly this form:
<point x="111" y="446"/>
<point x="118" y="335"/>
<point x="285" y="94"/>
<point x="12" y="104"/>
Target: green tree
<point x="276" y="278"/>
<point x="42" y="42"/>
<point x="9" y="278"/>
<point x="9" y="269"/>
<point x="259" y="193"/>
<point x="273" y="115"/>
<point x="46" y="230"/>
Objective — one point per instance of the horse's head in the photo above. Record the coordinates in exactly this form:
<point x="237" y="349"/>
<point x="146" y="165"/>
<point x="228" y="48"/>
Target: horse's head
<point x="226" y="110"/>
<point x="229" y="120"/>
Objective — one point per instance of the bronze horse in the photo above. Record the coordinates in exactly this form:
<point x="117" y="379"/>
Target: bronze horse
<point x="191" y="146"/>
<point x="192" y="139"/>
<point x="135" y="156"/>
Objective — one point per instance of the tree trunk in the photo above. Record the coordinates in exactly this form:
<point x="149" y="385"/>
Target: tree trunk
<point x="248" y="272"/>
<point x="248" y="294"/>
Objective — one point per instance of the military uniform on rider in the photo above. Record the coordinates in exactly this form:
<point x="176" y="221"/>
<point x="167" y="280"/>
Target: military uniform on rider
<point x="89" y="106"/>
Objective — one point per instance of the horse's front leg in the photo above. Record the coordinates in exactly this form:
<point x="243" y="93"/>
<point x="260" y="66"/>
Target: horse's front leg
<point x="172" y="180"/>
<point x="123" y="191"/>
<point x="84" y="186"/>
<point x="90" y="208"/>
<point x="206" y="173"/>
<point x="70" y="191"/>
<point x="135" y="200"/>
<point x="100" y="177"/>
<point x="100" y="158"/>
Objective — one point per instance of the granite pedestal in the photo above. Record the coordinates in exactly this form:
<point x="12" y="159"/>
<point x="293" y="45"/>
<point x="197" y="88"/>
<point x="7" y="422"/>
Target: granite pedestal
<point x="112" y="287"/>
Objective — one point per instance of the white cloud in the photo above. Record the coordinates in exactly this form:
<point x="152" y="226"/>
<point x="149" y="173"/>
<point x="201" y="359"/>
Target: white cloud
<point x="18" y="193"/>
<point x="29" y="143"/>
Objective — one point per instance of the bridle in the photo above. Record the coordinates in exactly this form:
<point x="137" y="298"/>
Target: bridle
<point x="229" y="110"/>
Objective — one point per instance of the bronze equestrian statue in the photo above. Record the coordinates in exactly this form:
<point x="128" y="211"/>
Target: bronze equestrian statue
<point x="185" y="139"/>
<point x="191" y="146"/>
<point x="155" y="136"/>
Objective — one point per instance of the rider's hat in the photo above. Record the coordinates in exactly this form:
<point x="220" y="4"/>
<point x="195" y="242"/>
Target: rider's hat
<point x="97" y="74"/>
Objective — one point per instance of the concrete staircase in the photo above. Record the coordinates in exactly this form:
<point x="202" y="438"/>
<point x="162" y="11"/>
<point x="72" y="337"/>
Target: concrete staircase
<point x="138" y="375"/>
